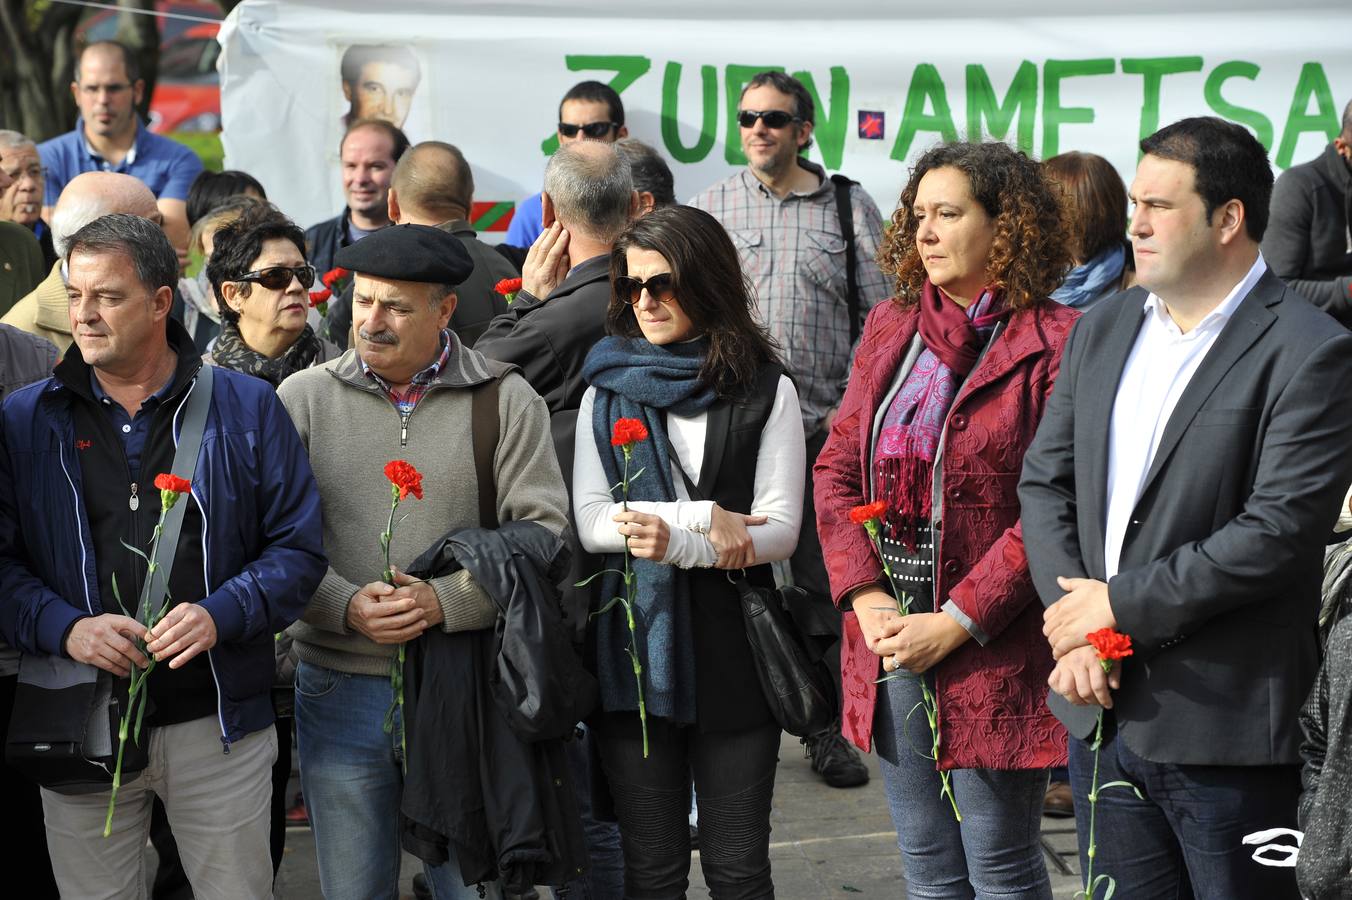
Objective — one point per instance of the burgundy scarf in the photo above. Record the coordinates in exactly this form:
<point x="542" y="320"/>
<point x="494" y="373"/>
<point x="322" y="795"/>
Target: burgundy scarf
<point x="909" y="438"/>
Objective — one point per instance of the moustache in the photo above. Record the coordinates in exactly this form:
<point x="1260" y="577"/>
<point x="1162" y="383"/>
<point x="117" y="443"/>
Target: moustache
<point x="378" y="337"/>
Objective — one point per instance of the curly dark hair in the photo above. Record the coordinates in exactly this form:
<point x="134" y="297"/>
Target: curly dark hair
<point x="236" y="245"/>
<point x="712" y="291"/>
<point x="1031" y="252"/>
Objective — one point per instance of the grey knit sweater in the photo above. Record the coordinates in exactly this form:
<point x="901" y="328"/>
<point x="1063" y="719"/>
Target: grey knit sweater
<point x="352" y="430"/>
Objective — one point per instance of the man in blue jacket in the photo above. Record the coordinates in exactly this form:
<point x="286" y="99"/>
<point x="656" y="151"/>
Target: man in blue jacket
<point x="78" y="456"/>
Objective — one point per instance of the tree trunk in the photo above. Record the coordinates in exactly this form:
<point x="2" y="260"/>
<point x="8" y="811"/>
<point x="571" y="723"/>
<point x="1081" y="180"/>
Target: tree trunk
<point x="36" y="66"/>
<point x="141" y="33"/>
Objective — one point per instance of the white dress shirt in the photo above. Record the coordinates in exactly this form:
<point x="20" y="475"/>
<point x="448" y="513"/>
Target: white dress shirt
<point x="1162" y="362"/>
<point x="778" y="491"/>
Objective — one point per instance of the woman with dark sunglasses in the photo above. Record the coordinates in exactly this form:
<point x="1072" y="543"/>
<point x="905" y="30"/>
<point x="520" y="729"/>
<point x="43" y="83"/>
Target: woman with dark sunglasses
<point x="720" y="493"/>
<point x="261" y="280"/>
<point x="948" y="386"/>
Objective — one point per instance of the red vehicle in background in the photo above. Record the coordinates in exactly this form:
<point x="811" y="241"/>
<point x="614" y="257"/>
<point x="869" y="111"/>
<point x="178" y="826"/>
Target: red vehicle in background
<point x="187" y="93"/>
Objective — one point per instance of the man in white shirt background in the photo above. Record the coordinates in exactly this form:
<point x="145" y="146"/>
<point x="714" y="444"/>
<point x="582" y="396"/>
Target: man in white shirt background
<point x="1182" y="483"/>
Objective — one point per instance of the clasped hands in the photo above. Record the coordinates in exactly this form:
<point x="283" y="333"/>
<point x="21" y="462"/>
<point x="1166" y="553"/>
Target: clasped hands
<point x="647" y="536"/>
<point x="108" y="641"/>
<point x="1078" y="676"/>
<point x="915" y="642"/>
<point x="394" y="614"/>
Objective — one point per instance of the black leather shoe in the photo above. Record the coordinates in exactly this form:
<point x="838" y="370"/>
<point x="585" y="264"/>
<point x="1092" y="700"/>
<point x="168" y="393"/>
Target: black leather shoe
<point x="834" y="759"/>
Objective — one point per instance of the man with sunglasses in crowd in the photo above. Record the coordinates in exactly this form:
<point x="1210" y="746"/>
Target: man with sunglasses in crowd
<point x="785" y="216"/>
<point x="590" y="111"/>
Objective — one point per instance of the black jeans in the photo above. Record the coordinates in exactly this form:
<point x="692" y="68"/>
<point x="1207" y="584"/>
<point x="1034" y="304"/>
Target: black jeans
<point x="23" y="853"/>
<point x="734" y="776"/>
<point x="1185" y="840"/>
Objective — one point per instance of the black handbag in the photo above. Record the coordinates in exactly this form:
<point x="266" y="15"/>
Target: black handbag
<point x="63" y="729"/>
<point x="796" y="684"/>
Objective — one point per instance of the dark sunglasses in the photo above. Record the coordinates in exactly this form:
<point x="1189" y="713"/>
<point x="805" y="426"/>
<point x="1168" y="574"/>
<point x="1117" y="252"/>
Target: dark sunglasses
<point x="773" y="118"/>
<point x="591" y="129"/>
<point x="661" y="287"/>
<point x="278" y="278"/>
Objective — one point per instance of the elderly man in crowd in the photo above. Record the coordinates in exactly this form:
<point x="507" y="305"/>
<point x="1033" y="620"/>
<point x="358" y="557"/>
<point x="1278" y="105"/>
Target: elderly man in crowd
<point x="410" y="383"/>
<point x="368" y="151"/>
<point x="248" y="555"/>
<point x="110" y="137"/>
<point x="20" y="257"/>
<point x="21" y="202"/>
<point x="45" y="310"/>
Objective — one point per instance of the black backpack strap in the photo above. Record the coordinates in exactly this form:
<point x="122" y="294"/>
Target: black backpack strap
<point x="845" y="210"/>
<point x="486" y="430"/>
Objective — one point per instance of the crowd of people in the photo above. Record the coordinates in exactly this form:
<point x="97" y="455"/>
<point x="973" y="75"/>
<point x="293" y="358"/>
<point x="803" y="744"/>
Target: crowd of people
<point x="507" y="635"/>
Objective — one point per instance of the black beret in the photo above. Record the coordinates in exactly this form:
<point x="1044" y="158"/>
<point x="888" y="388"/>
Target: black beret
<point x="409" y="253"/>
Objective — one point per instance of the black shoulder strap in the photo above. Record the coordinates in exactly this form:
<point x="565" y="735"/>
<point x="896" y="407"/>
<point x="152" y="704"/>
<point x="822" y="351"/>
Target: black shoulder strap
<point x="845" y="210"/>
<point x="486" y="430"/>
<point x="195" y="409"/>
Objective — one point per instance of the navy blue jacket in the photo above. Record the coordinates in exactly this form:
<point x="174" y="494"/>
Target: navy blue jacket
<point x="261" y="521"/>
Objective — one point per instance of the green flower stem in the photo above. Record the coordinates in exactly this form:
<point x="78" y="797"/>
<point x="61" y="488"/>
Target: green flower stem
<point x="1093" y="797"/>
<point x="396" y="664"/>
<point x="630" y="589"/>
<point x="927" y="699"/>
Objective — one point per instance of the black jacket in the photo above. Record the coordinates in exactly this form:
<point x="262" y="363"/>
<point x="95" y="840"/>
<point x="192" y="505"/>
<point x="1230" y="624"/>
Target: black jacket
<point x="1221" y="562"/>
<point x="326" y="239"/>
<point x="1308" y="241"/>
<point x="24" y="359"/>
<point x="507" y="808"/>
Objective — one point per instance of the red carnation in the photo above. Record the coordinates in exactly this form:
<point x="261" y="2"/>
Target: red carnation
<point x="868" y="512"/>
<point x="318" y="297"/>
<point x="507" y="286"/>
<point x="628" y="432"/>
<point x="334" y="274"/>
<point x="166" y="482"/>
<point x="1110" y="644"/>
<point x="406" y="479"/>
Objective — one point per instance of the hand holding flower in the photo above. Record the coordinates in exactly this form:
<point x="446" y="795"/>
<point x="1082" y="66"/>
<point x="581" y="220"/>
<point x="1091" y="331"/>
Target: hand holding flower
<point x="922" y="640"/>
<point x="423" y="596"/>
<point x="877" y="613"/>
<point x="108" y="642"/>
<point x="185" y="631"/>
<point x="376" y="613"/>
<point x="1082" y="609"/>
<point x="646" y="535"/>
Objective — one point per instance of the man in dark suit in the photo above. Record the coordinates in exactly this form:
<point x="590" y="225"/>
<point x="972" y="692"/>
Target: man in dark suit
<point x="556" y="319"/>
<point x="1184" y="477"/>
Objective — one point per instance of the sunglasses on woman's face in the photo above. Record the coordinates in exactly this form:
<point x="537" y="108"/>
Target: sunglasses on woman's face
<point x="661" y="287"/>
<point x="773" y="118"/>
<point x="593" y="130"/>
<point x="278" y="278"/>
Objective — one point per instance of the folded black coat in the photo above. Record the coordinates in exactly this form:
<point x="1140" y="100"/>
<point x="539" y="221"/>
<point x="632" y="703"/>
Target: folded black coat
<point x="505" y="805"/>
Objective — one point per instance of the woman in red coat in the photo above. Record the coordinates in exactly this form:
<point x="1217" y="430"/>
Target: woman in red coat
<point x="947" y="388"/>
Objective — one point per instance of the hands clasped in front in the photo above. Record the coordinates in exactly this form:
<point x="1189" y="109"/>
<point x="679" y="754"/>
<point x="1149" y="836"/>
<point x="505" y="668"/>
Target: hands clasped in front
<point x="1078" y="677"/>
<point x="108" y="641"/>
<point x="394" y="614"/>
<point x="916" y="642"/>
<point x="648" y="536"/>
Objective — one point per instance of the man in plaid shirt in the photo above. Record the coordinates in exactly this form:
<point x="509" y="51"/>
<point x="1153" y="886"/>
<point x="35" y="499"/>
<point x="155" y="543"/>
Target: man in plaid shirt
<point x="781" y="213"/>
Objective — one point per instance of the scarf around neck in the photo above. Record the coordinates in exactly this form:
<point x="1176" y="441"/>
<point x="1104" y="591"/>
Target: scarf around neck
<point x="638" y="380"/>
<point x="908" y="441"/>
<point x="1088" y="282"/>
<point x="230" y="352"/>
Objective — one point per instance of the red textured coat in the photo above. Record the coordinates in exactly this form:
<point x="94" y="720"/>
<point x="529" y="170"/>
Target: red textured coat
<point x="992" y="699"/>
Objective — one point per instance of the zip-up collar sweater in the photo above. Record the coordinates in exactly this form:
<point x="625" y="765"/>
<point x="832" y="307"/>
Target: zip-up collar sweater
<point x="352" y="429"/>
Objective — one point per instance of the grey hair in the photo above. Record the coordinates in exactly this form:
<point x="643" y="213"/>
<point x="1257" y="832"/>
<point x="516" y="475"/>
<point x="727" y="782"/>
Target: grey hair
<point x="590" y="185"/>
<point x="139" y="239"/>
<point x="649" y="170"/>
<point x="437" y="292"/>
<point x="12" y="140"/>
<point x="69" y="217"/>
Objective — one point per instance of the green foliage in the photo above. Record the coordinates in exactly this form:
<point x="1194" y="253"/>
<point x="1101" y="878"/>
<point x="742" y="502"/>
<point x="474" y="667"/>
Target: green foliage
<point x="206" y="144"/>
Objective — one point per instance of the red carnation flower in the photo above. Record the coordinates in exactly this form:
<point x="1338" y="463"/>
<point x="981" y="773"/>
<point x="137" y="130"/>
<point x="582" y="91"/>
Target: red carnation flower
<point x="1110" y="644"/>
<point x="507" y="286"/>
<point x="334" y="274"/>
<point x="166" y="482"/>
<point x="628" y="432"/>
<point x="868" y="512"/>
<point x="318" y="297"/>
<point x="405" y="478"/>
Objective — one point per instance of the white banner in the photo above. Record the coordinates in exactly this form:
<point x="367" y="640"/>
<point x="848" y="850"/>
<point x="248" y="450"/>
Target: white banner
<point x="488" y="76"/>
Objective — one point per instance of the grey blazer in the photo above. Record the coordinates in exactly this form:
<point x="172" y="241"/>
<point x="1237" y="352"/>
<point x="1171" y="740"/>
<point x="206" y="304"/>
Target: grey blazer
<point x="1221" y="565"/>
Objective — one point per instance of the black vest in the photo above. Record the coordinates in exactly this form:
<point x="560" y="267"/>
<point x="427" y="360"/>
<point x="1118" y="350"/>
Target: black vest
<point x="727" y="690"/>
<point x="176" y="695"/>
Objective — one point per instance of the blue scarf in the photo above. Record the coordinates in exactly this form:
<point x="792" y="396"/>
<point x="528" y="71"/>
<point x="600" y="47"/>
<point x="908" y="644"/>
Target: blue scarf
<point x="638" y="380"/>
<point x="1087" y="282"/>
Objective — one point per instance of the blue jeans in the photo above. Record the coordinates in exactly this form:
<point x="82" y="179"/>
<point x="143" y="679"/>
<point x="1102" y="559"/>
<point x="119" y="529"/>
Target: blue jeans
<point x="1185" y="839"/>
<point x="605" y="879"/>
<point x="994" y="851"/>
<point x="351" y="774"/>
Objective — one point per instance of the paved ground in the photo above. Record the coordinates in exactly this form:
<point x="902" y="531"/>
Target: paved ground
<point x="826" y="843"/>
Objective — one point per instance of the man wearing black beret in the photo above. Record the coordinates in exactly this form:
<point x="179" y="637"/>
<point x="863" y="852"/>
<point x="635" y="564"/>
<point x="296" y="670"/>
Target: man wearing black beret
<point x="403" y="392"/>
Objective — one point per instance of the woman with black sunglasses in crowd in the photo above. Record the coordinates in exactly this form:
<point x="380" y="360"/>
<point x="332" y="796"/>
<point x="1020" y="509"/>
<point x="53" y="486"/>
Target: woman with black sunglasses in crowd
<point x="259" y="274"/>
<point x="720" y="493"/>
